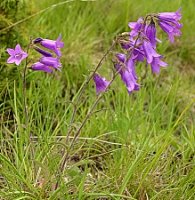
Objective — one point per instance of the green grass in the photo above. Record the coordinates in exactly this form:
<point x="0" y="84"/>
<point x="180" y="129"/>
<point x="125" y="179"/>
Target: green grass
<point x="138" y="146"/>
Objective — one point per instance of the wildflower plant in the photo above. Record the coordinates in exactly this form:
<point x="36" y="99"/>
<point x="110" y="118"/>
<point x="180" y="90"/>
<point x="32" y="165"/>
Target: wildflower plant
<point x="49" y="60"/>
<point x="139" y="45"/>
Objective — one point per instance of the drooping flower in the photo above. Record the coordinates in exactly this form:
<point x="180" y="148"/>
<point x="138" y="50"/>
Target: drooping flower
<point x="101" y="83"/>
<point x="16" y="55"/>
<point x="150" y="31"/>
<point x="170" y="29"/>
<point x="136" y="27"/>
<point x="169" y="23"/>
<point x="169" y="16"/>
<point x="50" y="61"/>
<point x="126" y="70"/>
<point x="41" y="67"/>
<point x="150" y="52"/>
<point x="156" y="64"/>
<point x="54" y="45"/>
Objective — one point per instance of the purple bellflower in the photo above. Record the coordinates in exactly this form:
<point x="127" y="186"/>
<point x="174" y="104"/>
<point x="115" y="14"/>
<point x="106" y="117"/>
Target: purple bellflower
<point x="41" y="67"/>
<point x="16" y="55"/>
<point x="172" y="30"/>
<point x="150" y="32"/>
<point x="51" y="61"/>
<point x="152" y="57"/>
<point x="127" y="72"/>
<point x="150" y="52"/>
<point x="101" y="83"/>
<point x="54" y="45"/>
<point x="169" y="23"/>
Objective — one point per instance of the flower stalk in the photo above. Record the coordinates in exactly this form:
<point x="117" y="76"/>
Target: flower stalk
<point x="24" y="86"/>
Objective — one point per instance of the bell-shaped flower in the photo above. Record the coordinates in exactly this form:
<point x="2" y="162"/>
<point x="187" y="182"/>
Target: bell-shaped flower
<point x="50" y="61"/>
<point x="54" y="45"/>
<point x="150" y="52"/>
<point x="101" y="83"/>
<point x="126" y="70"/>
<point x="16" y="55"/>
<point x="150" y="31"/>
<point x="41" y="67"/>
<point x="170" y="29"/>
<point x="169" y="23"/>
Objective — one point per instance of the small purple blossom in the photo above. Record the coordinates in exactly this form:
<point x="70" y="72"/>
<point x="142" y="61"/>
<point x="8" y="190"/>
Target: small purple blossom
<point x="41" y="67"/>
<point x="171" y="30"/>
<point x="50" y="61"/>
<point x="150" y="52"/>
<point x="169" y="23"/>
<point x="16" y="55"/>
<point x="101" y="83"/>
<point x="150" y="31"/>
<point x="54" y="45"/>
<point x="127" y="72"/>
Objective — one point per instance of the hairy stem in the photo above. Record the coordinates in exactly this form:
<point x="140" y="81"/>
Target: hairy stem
<point x="84" y="86"/>
<point x="91" y="110"/>
<point x="82" y="89"/>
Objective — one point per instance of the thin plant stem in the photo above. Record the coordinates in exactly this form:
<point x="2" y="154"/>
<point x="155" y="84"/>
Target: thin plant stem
<point x="84" y="86"/>
<point x="65" y="158"/>
<point x="91" y="110"/>
<point x="82" y="89"/>
<point x="24" y="87"/>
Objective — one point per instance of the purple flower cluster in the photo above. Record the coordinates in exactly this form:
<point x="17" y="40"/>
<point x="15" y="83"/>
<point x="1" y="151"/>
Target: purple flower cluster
<point x="141" y="45"/>
<point x="48" y="62"/>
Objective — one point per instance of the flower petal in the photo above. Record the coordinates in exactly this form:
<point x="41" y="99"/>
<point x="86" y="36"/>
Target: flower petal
<point x="11" y="52"/>
<point x="11" y="59"/>
<point x="41" y="67"/>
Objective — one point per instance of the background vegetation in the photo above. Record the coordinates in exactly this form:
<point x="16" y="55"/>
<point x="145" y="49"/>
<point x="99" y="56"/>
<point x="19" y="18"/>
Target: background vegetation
<point x="135" y="147"/>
